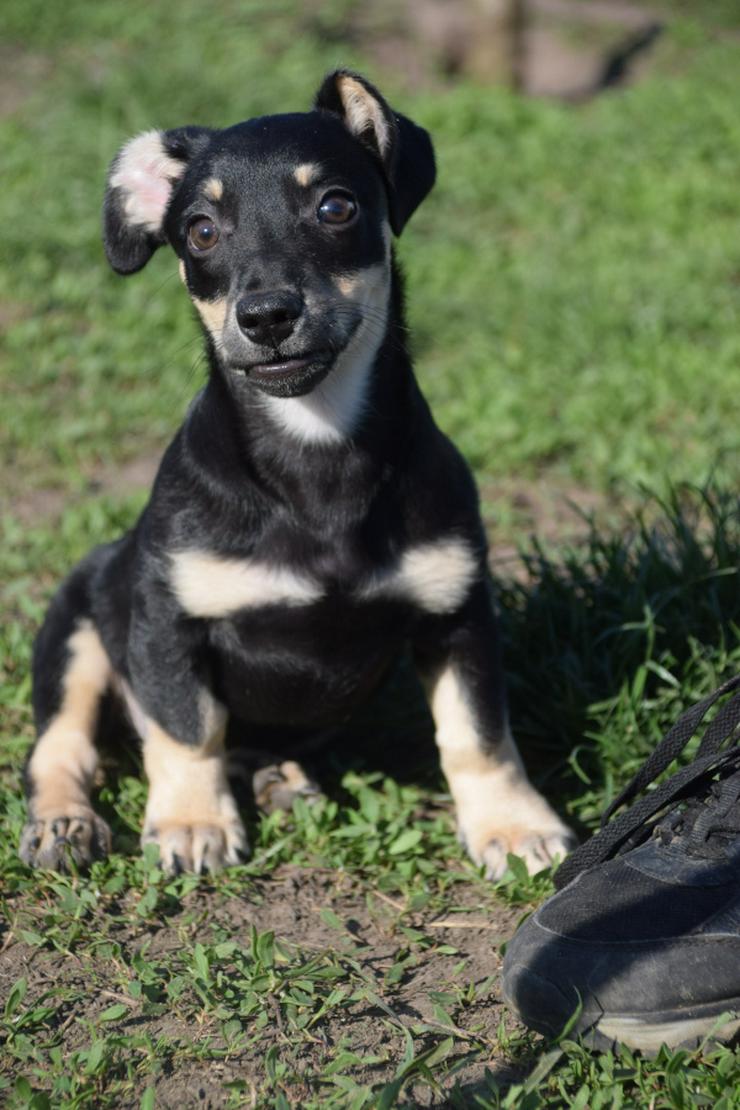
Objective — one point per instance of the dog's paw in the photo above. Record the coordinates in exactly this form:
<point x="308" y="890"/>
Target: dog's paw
<point x="204" y="847"/>
<point x="52" y="841"/>
<point x="276" y="786"/>
<point x="539" y="848"/>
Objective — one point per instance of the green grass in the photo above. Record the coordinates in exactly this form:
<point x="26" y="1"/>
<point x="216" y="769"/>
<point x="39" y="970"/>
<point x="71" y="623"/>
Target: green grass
<point x="574" y="306"/>
<point x="574" y="276"/>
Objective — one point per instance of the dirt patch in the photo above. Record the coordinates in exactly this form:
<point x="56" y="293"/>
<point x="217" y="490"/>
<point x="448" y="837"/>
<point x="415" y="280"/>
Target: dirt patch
<point x="557" y="48"/>
<point x="47" y="504"/>
<point x="319" y="913"/>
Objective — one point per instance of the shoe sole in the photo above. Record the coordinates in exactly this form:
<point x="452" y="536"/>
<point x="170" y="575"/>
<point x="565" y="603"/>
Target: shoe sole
<point x="649" y="1032"/>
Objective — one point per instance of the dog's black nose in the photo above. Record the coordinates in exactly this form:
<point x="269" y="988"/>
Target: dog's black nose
<point x="269" y="317"/>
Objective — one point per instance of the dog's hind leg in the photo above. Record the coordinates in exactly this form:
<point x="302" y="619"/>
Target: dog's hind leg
<point x="277" y="785"/>
<point x="71" y="672"/>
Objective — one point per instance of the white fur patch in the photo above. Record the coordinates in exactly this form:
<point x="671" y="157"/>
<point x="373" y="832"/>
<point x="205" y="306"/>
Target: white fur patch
<point x="498" y="809"/>
<point x="331" y="411"/>
<point x="210" y="586"/>
<point x="362" y="112"/>
<point x="306" y="173"/>
<point x="145" y="173"/>
<point x="435" y="576"/>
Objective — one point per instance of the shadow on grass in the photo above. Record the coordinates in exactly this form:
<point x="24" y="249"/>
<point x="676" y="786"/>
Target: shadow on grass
<point x="591" y="633"/>
<point x="623" y="623"/>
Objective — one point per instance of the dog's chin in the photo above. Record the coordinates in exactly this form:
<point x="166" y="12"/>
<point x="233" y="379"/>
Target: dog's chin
<point x="289" y="377"/>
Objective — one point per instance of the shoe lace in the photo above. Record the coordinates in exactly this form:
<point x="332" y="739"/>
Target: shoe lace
<point x="710" y="784"/>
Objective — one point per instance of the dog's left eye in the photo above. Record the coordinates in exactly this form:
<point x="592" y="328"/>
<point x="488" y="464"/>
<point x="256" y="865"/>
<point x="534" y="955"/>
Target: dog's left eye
<point x="337" y="208"/>
<point x="202" y="234"/>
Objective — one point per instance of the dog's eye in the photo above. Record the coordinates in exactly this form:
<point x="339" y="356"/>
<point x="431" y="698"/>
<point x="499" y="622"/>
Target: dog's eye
<point x="202" y="234"/>
<point x="337" y="208"/>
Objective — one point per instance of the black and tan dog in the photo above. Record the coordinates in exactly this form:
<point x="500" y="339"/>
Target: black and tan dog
<point x="308" y="522"/>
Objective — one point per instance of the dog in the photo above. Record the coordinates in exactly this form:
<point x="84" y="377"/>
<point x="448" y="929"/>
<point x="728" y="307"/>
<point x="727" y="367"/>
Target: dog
<point x="308" y="523"/>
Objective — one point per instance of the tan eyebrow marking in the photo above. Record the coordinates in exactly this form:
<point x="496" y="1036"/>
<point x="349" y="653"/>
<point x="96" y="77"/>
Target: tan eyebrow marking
<point x="347" y="284"/>
<point x="306" y="173"/>
<point x="213" y="189"/>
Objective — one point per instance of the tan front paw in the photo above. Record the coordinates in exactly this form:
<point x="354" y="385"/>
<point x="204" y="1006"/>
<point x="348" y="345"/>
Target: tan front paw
<point x="205" y="846"/>
<point x="539" y="848"/>
<point x="78" y="835"/>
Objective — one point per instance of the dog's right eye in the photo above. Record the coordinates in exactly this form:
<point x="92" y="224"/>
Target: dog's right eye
<point x="202" y="234"/>
<point x="337" y="208"/>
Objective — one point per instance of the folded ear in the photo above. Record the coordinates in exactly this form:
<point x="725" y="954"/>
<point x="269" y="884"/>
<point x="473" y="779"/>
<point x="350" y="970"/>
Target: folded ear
<point x="403" y="149"/>
<point x="141" y="183"/>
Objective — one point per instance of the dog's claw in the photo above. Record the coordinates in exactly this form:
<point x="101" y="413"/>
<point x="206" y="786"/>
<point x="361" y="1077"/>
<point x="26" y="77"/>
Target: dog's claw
<point x="52" y="842"/>
<point x="537" y="850"/>
<point x="202" y="849"/>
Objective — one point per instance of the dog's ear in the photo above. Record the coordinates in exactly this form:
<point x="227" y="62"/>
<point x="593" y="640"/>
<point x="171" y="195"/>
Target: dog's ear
<point x="403" y="149"/>
<point x="141" y="182"/>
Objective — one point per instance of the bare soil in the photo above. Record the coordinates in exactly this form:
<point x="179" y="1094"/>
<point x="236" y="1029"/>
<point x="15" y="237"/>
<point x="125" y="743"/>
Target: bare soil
<point x="289" y="903"/>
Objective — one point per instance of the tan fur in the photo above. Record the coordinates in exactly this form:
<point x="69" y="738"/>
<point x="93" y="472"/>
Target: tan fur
<point x="190" y="813"/>
<point x="208" y="585"/>
<point x="306" y="173"/>
<point x="279" y="784"/>
<point x="363" y="111"/>
<point x="347" y="284"/>
<point x="498" y="810"/>
<point x="436" y="576"/>
<point x="213" y="314"/>
<point x="213" y="189"/>
<point x="181" y="271"/>
<point x="64" y="759"/>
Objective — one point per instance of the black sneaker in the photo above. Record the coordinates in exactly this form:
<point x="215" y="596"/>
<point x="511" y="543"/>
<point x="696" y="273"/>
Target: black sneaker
<point x="643" y="943"/>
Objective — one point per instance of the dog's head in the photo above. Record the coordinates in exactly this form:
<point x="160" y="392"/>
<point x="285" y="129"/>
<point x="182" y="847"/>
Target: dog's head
<point x="282" y="226"/>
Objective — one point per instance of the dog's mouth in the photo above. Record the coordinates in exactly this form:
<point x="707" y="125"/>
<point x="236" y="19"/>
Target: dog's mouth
<point x="289" y="376"/>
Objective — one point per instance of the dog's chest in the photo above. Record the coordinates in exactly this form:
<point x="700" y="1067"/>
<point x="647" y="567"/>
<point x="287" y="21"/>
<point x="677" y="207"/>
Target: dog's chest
<point x="432" y="577"/>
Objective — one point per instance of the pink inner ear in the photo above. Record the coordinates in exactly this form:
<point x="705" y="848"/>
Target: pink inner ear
<point x="150" y="193"/>
<point x="145" y="175"/>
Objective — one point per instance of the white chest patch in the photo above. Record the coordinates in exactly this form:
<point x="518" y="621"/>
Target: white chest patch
<point x="208" y="585"/>
<point x="435" y="576"/>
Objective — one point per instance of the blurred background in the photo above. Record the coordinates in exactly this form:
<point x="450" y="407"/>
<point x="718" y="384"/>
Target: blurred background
<point x="574" y="278"/>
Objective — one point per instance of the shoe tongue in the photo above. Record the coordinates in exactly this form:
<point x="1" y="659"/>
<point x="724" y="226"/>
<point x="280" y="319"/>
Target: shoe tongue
<point x="709" y="827"/>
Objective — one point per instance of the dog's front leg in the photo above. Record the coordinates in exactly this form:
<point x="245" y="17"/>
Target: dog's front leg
<point x="498" y="809"/>
<point x="191" y="813"/>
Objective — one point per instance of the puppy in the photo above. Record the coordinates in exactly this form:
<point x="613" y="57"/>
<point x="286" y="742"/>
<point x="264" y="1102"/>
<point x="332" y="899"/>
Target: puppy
<point x="309" y="521"/>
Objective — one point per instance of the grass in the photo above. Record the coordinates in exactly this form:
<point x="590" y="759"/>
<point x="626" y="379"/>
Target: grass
<point x="384" y="991"/>
<point x="353" y="961"/>
<point x="604" y="239"/>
